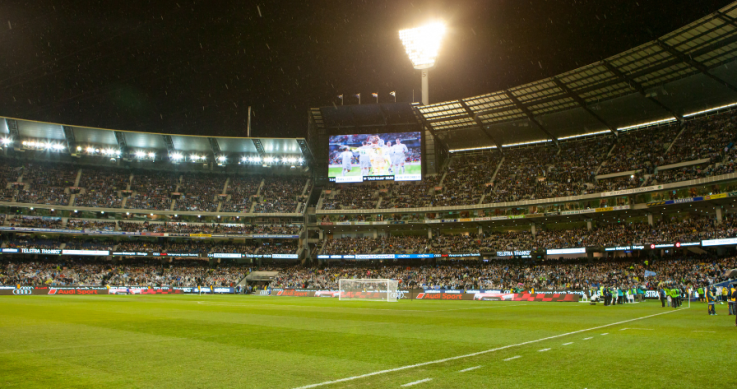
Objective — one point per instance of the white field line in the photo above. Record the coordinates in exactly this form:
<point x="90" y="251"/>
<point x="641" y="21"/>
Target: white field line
<point x="606" y="333"/>
<point x="566" y="344"/>
<point x="514" y="357"/>
<point x="416" y="382"/>
<point x="469" y="369"/>
<point x="587" y="338"/>
<point x="380" y="372"/>
<point x="543" y="350"/>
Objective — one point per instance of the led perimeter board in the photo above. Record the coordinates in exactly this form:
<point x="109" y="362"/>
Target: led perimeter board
<point x="394" y="156"/>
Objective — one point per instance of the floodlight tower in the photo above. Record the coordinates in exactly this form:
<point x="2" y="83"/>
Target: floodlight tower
<point x="422" y="45"/>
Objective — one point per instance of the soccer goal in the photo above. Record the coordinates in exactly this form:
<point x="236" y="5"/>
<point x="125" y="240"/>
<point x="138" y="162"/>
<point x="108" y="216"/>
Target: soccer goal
<point x="368" y="289"/>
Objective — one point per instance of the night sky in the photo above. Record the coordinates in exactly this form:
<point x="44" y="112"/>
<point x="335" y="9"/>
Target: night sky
<point x="193" y="67"/>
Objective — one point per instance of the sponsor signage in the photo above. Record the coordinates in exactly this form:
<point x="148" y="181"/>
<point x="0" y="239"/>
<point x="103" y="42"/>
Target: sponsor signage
<point x="86" y="252"/>
<point x="130" y="253"/>
<point x="225" y="255"/>
<point x="515" y="253"/>
<point x="176" y="255"/>
<point x="661" y="246"/>
<point x="575" y="250"/>
<point x="395" y="256"/>
<point x="625" y="248"/>
<point x="429" y="294"/>
<point x="719" y="242"/>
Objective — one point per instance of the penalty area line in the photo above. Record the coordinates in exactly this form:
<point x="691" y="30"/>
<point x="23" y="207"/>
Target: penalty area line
<point x="437" y="361"/>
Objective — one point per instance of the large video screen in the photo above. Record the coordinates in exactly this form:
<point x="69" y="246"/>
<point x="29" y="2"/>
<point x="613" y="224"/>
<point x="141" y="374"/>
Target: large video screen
<point x="376" y="157"/>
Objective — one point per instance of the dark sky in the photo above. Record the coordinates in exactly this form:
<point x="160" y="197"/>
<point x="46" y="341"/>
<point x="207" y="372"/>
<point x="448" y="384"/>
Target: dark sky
<point x="193" y="67"/>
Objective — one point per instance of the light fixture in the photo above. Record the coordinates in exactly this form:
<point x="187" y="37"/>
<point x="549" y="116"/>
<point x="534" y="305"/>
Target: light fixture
<point x="140" y="154"/>
<point x="422" y="45"/>
<point x="151" y="155"/>
<point x="177" y="156"/>
<point x="7" y="141"/>
<point x="90" y="150"/>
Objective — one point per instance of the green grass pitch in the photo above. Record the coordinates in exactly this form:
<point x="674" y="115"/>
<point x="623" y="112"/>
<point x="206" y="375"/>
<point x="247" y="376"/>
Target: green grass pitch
<point x="336" y="171"/>
<point x="290" y="342"/>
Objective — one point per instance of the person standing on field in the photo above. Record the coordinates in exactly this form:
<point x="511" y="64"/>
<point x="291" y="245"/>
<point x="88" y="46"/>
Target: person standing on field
<point x="711" y="301"/>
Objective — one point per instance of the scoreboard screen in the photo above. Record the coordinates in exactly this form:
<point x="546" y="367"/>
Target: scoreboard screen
<point x="375" y="157"/>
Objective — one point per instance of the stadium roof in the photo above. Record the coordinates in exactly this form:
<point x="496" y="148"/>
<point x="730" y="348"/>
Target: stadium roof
<point x="392" y="117"/>
<point x="71" y="137"/>
<point x="688" y="70"/>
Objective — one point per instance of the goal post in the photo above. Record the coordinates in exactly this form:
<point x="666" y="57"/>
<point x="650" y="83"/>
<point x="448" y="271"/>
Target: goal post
<point x="368" y="289"/>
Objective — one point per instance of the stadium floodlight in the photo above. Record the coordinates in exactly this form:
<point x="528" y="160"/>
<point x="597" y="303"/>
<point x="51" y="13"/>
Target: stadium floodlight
<point x="194" y="157"/>
<point x="244" y="159"/>
<point x="151" y="155"/>
<point x="90" y="150"/>
<point x="422" y="45"/>
<point x="140" y="154"/>
<point x="177" y="156"/>
<point x="222" y="158"/>
<point x="7" y="141"/>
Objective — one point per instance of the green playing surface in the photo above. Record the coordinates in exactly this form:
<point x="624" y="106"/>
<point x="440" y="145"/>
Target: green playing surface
<point x="334" y="171"/>
<point x="289" y="342"/>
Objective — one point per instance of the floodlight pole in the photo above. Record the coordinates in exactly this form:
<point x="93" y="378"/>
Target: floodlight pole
<point x="425" y="87"/>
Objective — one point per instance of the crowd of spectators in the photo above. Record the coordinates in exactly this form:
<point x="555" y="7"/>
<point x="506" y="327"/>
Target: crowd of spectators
<point x="689" y="229"/>
<point x="46" y="183"/>
<point x="9" y="174"/>
<point x="466" y="179"/>
<point x="703" y="138"/>
<point x="102" y="187"/>
<point x="139" y="272"/>
<point x="152" y="190"/>
<point x="280" y="195"/>
<point x="411" y="194"/>
<point x="209" y="228"/>
<point x="240" y="193"/>
<point x="199" y="192"/>
<point x="577" y="274"/>
<point x="90" y="224"/>
<point x="640" y="149"/>
<point x="352" y="196"/>
<point x="35" y="222"/>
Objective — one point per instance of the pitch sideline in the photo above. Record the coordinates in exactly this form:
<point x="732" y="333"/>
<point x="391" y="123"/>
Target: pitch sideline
<point x="478" y="353"/>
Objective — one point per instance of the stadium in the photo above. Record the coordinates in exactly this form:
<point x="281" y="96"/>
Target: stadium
<point x="574" y="231"/>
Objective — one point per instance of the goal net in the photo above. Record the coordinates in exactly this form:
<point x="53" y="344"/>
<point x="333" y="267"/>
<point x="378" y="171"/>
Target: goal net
<point x="369" y="289"/>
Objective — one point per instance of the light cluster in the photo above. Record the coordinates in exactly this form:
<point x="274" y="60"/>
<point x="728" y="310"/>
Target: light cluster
<point x="40" y="145"/>
<point x="423" y="44"/>
<point x="273" y="160"/>
<point x="108" y="152"/>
